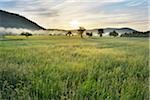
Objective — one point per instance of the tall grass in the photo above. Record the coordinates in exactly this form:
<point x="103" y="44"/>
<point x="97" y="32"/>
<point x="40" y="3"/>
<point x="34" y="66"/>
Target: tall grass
<point x="73" y="68"/>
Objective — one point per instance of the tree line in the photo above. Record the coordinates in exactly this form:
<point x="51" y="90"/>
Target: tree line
<point x="81" y="30"/>
<point x="136" y="34"/>
<point x="113" y="33"/>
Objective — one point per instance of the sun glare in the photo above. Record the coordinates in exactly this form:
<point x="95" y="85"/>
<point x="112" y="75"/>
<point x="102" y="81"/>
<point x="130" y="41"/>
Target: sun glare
<point x="74" y="24"/>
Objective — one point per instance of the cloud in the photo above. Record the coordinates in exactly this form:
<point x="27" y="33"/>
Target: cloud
<point x="7" y="0"/>
<point x="98" y="1"/>
<point x="136" y="3"/>
<point x="42" y="12"/>
<point x="90" y="13"/>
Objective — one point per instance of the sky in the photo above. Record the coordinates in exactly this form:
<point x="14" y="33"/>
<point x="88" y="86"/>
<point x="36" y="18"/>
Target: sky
<point x="87" y="13"/>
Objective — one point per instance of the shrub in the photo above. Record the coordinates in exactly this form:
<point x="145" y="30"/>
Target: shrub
<point x="114" y="33"/>
<point x="100" y="32"/>
<point x="27" y="34"/>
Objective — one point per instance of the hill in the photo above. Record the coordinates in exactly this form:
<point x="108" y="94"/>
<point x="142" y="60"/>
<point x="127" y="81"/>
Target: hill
<point x="11" y="20"/>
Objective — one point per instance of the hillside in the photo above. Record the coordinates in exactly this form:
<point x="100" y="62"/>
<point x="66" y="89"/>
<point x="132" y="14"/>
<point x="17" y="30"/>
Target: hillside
<point x="11" y="20"/>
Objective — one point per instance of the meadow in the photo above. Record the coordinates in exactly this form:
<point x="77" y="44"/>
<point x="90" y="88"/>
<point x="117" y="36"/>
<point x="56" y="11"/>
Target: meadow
<point x="60" y="67"/>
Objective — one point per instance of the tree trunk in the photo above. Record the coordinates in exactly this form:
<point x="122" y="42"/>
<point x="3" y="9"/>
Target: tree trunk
<point x="81" y="36"/>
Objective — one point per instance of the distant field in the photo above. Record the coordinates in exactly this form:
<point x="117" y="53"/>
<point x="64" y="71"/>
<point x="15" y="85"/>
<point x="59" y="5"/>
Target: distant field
<point x="59" y="67"/>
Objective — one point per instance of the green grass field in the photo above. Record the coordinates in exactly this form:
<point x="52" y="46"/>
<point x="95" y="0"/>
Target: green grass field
<point x="58" y="67"/>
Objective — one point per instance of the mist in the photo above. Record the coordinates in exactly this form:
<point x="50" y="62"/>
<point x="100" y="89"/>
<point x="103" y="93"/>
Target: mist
<point x="16" y="31"/>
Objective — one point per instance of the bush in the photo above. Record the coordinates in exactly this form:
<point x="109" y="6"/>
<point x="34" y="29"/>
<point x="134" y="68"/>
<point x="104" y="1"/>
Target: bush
<point x="27" y="34"/>
<point x="100" y="32"/>
<point x="114" y="33"/>
<point x="136" y="34"/>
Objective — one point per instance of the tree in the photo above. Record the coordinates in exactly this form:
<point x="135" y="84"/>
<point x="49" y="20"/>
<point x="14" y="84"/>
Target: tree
<point x="27" y="34"/>
<point x="81" y="31"/>
<point x="50" y="34"/>
<point x="100" y="32"/>
<point x="89" y="34"/>
<point x="114" y="33"/>
<point x="136" y="34"/>
<point x="68" y="33"/>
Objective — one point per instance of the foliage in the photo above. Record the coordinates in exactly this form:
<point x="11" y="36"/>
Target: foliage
<point x="114" y="33"/>
<point x="100" y="32"/>
<point x="27" y="34"/>
<point x="68" y="33"/>
<point x="57" y="67"/>
<point x="81" y="31"/>
<point x="136" y="34"/>
<point x="89" y="34"/>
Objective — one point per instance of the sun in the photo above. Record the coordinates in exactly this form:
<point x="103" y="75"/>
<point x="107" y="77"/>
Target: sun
<point x="74" y="24"/>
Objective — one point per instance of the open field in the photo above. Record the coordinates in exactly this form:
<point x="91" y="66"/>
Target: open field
<point x="58" y="67"/>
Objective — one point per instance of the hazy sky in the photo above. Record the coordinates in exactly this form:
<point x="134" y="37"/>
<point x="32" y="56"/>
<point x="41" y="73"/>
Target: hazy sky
<point x="88" y="13"/>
